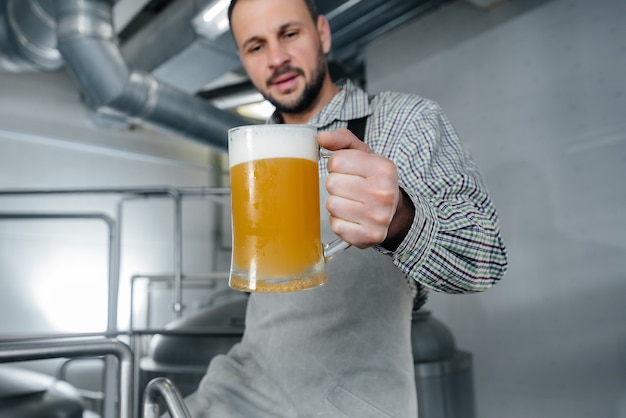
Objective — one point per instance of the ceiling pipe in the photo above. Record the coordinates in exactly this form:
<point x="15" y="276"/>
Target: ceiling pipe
<point x="88" y="43"/>
<point x="29" y="36"/>
<point x="46" y="35"/>
<point x="486" y="4"/>
<point x="190" y="61"/>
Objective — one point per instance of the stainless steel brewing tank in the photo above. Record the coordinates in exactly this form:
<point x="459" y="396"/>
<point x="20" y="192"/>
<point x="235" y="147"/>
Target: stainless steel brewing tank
<point x="183" y="354"/>
<point x="29" y="394"/>
<point x="443" y="374"/>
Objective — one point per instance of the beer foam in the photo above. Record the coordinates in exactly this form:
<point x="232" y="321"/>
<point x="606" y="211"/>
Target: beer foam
<point x="257" y="142"/>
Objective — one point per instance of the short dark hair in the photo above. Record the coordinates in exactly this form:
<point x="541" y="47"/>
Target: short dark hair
<point x="310" y="4"/>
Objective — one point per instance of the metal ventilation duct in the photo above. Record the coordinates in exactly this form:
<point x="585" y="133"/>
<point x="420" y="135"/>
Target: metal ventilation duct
<point x="167" y="44"/>
<point x="86" y="42"/>
<point x="29" y="40"/>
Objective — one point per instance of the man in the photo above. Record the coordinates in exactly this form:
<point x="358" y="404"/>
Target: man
<point x="409" y="200"/>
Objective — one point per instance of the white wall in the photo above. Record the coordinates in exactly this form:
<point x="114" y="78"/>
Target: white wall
<point x="53" y="275"/>
<point x="537" y="90"/>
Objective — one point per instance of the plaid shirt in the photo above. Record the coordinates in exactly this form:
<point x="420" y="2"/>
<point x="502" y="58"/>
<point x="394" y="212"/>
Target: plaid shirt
<point x="454" y="244"/>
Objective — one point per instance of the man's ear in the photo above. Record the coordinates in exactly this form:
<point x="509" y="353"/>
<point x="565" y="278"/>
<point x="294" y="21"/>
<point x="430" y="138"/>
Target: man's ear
<point x="323" y="28"/>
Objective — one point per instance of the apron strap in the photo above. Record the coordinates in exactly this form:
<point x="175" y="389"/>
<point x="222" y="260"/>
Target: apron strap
<point x="357" y="127"/>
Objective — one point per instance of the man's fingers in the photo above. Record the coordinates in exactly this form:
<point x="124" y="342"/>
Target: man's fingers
<point x="341" y="139"/>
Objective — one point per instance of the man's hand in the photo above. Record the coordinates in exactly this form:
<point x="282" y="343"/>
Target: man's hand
<point x="364" y="193"/>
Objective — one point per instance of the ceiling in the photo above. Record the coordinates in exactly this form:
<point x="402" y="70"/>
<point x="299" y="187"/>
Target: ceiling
<point x="142" y="61"/>
<point x="211" y="69"/>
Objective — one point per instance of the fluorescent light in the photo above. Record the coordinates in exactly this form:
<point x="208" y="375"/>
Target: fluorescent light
<point x="212" y="21"/>
<point x="258" y="110"/>
<point x="215" y="10"/>
<point x="248" y="103"/>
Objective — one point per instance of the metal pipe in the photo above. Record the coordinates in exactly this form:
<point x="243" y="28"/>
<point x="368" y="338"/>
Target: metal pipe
<point x="87" y="41"/>
<point x="31" y="35"/>
<point x="178" y="257"/>
<point x="48" y="349"/>
<point x="56" y="215"/>
<point x="214" y="331"/>
<point x="163" y="388"/>
<point x="177" y="260"/>
<point x="140" y="191"/>
<point x="176" y="263"/>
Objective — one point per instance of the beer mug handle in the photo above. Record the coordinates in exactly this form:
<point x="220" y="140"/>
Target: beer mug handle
<point x="338" y="245"/>
<point x="333" y="248"/>
<point x="324" y="153"/>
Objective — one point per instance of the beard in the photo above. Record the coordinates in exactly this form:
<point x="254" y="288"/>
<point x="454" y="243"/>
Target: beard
<point x="309" y="94"/>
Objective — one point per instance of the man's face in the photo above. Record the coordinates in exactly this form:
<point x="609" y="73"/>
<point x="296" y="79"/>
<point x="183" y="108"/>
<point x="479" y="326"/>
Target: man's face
<point x="283" y="51"/>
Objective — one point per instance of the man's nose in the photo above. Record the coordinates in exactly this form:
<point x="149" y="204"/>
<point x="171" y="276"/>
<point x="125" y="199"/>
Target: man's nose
<point x="278" y="55"/>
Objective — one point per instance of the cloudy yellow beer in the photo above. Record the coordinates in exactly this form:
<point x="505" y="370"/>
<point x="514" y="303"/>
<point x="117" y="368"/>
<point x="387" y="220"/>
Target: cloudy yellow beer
<point x="275" y="209"/>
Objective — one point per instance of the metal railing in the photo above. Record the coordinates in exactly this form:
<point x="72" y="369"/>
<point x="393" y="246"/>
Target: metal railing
<point x="157" y="389"/>
<point x="217" y="194"/>
<point x="163" y="388"/>
<point x="21" y="347"/>
<point x="48" y="349"/>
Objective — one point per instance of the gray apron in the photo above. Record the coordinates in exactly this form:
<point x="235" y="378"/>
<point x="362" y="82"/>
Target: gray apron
<point x="341" y="350"/>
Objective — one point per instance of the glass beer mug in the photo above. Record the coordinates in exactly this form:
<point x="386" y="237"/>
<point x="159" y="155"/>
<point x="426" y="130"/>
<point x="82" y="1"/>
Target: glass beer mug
<point x="274" y="179"/>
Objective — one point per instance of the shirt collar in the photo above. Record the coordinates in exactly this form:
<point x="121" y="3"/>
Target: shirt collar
<point x="349" y="103"/>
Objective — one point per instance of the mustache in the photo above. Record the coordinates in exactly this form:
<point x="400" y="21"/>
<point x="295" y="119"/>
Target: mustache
<point x="286" y="69"/>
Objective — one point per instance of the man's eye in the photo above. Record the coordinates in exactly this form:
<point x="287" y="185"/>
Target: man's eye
<point x="290" y="34"/>
<point x="255" y="48"/>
